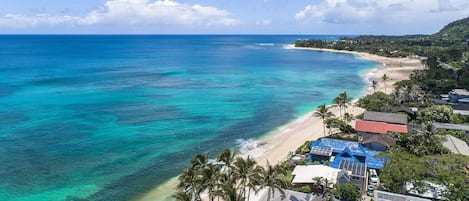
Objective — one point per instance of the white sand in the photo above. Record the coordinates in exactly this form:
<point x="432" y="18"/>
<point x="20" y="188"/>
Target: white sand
<point x="289" y="137"/>
<point x="284" y="140"/>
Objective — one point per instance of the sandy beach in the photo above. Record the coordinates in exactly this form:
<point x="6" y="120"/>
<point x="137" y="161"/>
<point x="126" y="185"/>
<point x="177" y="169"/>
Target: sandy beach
<point x="276" y="146"/>
<point x="286" y="139"/>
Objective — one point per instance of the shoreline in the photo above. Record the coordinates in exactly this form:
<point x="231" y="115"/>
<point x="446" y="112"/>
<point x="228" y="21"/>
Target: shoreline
<point x="276" y="145"/>
<point x="287" y="138"/>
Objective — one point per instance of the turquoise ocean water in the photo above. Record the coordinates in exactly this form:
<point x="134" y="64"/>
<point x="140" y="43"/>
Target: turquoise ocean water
<point x="109" y="117"/>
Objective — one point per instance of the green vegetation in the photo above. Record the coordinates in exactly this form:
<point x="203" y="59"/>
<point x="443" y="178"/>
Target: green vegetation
<point x="378" y="102"/>
<point x="303" y="149"/>
<point x="227" y="178"/>
<point x="436" y="113"/>
<point x="348" y="192"/>
<point x="343" y="100"/>
<point x="445" y="169"/>
<point x="335" y="123"/>
<point x="323" y="112"/>
<point x="445" y="54"/>
<point x="416" y="157"/>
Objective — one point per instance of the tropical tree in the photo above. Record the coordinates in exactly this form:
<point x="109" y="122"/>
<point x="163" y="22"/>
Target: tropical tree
<point x="323" y="113"/>
<point x="374" y="85"/>
<point x="346" y="100"/>
<point x="189" y="182"/>
<point x="348" y="117"/>
<point x="384" y="79"/>
<point x="226" y="158"/>
<point x="182" y="196"/>
<point x="379" y="102"/>
<point x="247" y="174"/>
<point x="210" y="180"/>
<point x="438" y="113"/>
<point x="271" y="181"/>
<point x="342" y="101"/>
<point x="349" y="192"/>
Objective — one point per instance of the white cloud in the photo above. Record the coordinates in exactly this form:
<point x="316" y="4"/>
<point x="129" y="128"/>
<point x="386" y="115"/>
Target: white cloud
<point x="358" y="11"/>
<point x="130" y="12"/>
<point x="264" y="22"/>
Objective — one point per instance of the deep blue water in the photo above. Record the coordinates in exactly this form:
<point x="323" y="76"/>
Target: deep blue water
<point x="109" y="117"/>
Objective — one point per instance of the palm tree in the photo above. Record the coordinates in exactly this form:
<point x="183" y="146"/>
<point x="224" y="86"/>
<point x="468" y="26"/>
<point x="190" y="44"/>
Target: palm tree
<point x="326" y="190"/>
<point x="229" y="192"/>
<point x="384" y="79"/>
<point x="247" y="174"/>
<point x="199" y="161"/>
<point x="182" y="196"/>
<point x="210" y="177"/>
<point x="337" y="101"/>
<point x="323" y="113"/>
<point x="345" y="100"/>
<point x="227" y="158"/>
<point x="348" y="117"/>
<point x="271" y="181"/>
<point x="189" y="182"/>
<point x="318" y="182"/>
<point x="374" y="85"/>
<point x="342" y="101"/>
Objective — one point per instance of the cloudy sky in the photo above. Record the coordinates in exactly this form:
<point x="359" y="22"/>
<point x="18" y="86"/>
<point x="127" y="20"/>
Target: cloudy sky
<point x="229" y="16"/>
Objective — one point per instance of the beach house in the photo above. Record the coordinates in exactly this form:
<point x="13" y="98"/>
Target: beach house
<point x="349" y="151"/>
<point x="308" y="175"/>
<point x="379" y="142"/>
<point x="348" y="171"/>
<point x="381" y="123"/>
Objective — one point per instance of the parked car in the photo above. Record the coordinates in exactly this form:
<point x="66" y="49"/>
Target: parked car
<point x="370" y="190"/>
<point x="373" y="176"/>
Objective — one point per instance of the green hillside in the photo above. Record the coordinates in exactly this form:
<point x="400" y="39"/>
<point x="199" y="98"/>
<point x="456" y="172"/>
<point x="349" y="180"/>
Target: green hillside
<point x="455" y="31"/>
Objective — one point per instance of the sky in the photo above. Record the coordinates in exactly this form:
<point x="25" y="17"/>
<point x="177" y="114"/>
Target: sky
<point x="338" y="17"/>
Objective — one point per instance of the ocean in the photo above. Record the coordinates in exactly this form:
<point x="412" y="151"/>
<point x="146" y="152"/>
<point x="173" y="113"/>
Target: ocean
<point x="109" y="117"/>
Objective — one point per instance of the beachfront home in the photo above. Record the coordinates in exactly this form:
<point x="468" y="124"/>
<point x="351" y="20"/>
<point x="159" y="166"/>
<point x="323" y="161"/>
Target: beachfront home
<point x="350" y="151"/>
<point x="385" y="117"/>
<point x="356" y="174"/>
<point x="372" y="127"/>
<point x="379" y="142"/>
<point x="381" y="123"/>
<point x="458" y="96"/>
<point x="307" y="174"/>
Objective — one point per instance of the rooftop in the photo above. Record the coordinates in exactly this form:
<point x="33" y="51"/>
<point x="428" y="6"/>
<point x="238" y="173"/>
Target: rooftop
<point x="385" y="140"/>
<point x="289" y="195"/>
<point x="385" y="117"/>
<point x="456" y="145"/>
<point x="321" y="151"/>
<point x="358" y="169"/>
<point x="379" y="127"/>
<point x="460" y="92"/>
<point x="386" y="196"/>
<point x="305" y="174"/>
<point x="448" y="126"/>
<point x="351" y="151"/>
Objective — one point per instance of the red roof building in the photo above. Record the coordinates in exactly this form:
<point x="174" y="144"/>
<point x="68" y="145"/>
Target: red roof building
<point x="379" y="127"/>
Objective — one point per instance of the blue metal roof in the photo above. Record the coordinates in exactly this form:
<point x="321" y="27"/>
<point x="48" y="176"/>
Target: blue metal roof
<point x="350" y="151"/>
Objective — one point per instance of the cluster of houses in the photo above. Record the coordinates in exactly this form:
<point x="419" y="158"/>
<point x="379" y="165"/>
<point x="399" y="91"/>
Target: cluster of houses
<point x="358" y="162"/>
<point x="340" y="161"/>
<point x="458" y="99"/>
